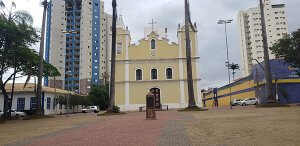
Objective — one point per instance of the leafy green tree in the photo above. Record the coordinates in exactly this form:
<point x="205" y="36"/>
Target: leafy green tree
<point x="288" y="48"/>
<point x="77" y="100"/>
<point x="14" y="37"/>
<point x="99" y="95"/>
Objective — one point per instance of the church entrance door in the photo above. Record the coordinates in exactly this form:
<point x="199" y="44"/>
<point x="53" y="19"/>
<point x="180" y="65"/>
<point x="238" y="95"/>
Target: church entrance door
<point x="156" y="92"/>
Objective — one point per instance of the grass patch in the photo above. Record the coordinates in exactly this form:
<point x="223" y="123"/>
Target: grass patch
<point x="109" y="113"/>
<point x="192" y="109"/>
<point x="272" y="105"/>
<point x="34" y="117"/>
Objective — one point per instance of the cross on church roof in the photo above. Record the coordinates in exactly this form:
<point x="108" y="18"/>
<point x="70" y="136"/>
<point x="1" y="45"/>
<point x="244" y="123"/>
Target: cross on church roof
<point x="152" y="23"/>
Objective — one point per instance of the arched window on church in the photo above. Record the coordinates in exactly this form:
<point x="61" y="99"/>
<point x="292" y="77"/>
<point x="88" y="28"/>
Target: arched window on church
<point x="139" y="75"/>
<point x="169" y="73"/>
<point x="154" y="74"/>
<point x="153" y="44"/>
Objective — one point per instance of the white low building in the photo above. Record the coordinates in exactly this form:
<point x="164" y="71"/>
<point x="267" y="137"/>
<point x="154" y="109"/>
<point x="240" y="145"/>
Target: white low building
<point x="24" y="99"/>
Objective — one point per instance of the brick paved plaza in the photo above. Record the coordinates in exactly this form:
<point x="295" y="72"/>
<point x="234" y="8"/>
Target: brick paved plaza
<point x="222" y="126"/>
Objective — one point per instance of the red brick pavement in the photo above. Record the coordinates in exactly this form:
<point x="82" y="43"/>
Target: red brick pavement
<point x="129" y="129"/>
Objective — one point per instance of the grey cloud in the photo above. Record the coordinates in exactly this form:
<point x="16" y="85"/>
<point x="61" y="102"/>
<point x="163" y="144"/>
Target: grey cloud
<point x="168" y="13"/>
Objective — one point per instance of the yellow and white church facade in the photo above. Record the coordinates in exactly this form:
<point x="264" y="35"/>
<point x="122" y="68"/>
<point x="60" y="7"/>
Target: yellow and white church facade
<point x="156" y="65"/>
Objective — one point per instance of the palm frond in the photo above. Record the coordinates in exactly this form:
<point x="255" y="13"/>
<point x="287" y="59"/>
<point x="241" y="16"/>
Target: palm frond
<point x="13" y="4"/>
<point x="22" y="17"/>
<point x="2" y="5"/>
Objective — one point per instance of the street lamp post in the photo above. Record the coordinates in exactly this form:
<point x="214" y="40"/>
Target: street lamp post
<point x="70" y="72"/>
<point x="69" y="83"/>
<point x="225" y="22"/>
<point x="257" y="62"/>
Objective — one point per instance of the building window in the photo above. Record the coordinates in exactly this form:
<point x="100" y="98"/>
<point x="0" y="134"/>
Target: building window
<point x="139" y="74"/>
<point x="169" y="73"/>
<point x="153" y="44"/>
<point x="32" y="103"/>
<point x="48" y="103"/>
<point x="154" y="74"/>
<point x="119" y="48"/>
<point x="21" y="104"/>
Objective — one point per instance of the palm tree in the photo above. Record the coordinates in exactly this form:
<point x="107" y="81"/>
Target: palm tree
<point x="113" y="57"/>
<point x="41" y="60"/>
<point x="268" y="76"/>
<point x="188" y="24"/>
<point x="234" y="67"/>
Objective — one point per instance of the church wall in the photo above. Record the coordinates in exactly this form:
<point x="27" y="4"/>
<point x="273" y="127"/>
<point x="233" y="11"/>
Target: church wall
<point x="193" y="67"/>
<point x="120" y="71"/>
<point x="120" y="94"/>
<point x="160" y="66"/>
<point x="193" y="44"/>
<point x="121" y="38"/>
<point x="163" y="50"/>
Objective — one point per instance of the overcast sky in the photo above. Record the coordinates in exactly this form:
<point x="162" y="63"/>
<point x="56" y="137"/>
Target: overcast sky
<point x="169" y="13"/>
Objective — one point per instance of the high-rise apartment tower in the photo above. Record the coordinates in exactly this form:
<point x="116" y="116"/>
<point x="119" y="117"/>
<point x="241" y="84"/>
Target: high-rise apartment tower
<point x="76" y="43"/>
<point x="250" y="32"/>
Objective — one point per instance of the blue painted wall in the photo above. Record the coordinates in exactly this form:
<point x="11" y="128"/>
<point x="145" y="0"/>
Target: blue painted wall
<point x="48" y="35"/>
<point x="279" y="70"/>
<point x="96" y="42"/>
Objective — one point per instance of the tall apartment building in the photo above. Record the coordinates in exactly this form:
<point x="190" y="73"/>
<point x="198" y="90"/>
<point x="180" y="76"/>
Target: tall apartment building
<point x="250" y="32"/>
<point x="76" y="43"/>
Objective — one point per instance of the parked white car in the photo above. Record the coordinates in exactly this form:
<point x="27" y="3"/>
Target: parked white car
<point x="1" y="113"/>
<point x="90" y="109"/>
<point x="16" y="113"/>
<point x="236" y="102"/>
<point x="249" y="101"/>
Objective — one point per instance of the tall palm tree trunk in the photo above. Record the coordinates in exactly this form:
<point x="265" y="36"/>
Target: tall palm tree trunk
<point x="113" y="56"/>
<point x="270" y="97"/>
<point x="41" y="61"/>
<point x="192" y="102"/>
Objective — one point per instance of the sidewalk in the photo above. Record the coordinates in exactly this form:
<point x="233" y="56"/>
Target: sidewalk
<point x="217" y="126"/>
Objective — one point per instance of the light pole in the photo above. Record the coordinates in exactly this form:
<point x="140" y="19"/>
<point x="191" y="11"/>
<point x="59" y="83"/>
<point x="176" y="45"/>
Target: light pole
<point x="69" y="83"/>
<point x="70" y="72"/>
<point x="257" y="62"/>
<point x="225" y="22"/>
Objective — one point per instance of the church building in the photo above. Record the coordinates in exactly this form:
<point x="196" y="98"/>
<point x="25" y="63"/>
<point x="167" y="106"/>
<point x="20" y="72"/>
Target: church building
<point x="156" y="65"/>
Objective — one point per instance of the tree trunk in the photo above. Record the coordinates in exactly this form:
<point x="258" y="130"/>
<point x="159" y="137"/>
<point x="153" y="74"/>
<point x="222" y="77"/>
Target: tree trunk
<point x="188" y="58"/>
<point x="12" y="93"/>
<point x="268" y="76"/>
<point x="113" y="56"/>
<point x="5" y="94"/>
<point x="41" y="61"/>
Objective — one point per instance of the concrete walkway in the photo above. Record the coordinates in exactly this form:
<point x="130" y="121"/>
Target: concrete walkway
<point x="222" y="126"/>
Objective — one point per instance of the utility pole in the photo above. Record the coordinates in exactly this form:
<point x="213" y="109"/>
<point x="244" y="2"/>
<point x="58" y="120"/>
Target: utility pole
<point x="268" y="76"/>
<point x="41" y="60"/>
<point x="192" y="102"/>
<point x="225" y="22"/>
<point x="113" y="56"/>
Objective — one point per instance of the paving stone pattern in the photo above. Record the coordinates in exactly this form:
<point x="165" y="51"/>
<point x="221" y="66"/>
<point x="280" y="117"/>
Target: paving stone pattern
<point x="217" y="126"/>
